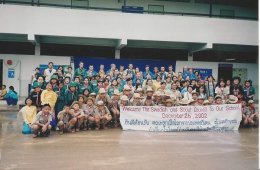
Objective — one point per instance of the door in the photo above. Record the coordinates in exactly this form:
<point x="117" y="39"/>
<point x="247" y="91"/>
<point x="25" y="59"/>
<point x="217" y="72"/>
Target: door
<point x="225" y="71"/>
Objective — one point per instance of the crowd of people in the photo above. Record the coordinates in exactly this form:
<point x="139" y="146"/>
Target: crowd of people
<point x="84" y="99"/>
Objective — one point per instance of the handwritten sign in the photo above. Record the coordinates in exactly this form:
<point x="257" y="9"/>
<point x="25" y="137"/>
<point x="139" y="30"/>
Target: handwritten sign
<point x="181" y="118"/>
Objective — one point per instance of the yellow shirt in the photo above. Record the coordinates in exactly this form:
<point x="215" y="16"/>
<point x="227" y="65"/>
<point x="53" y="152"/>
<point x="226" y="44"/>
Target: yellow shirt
<point x="156" y="85"/>
<point x="29" y="112"/>
<point x="49" y="97"/>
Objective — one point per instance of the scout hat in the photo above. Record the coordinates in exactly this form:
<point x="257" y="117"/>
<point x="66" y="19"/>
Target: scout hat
<point x="149" y="89"/>
<point x="92" y="94"/>
<point x="139" y="89"/>
<point x="232" y="99"/>
<point x="157" y="93"/>
<point x="137" y="96"/>
<point x="100" y="103"/>
<point x="36" y="84"/>
<point x="201" y="98"/>
<point x="205" y="102"/>
<point x="75" y="102"/>
<point x="101" y="90"/>
<point x="72" y="84"/>
<point x="250" y="101"/>
<point x="194" y="92"/>
<point x="116" y="92"/>
<point x="90" y="98"/>
<point x="124" y="98"/>
<point x="184" y="102"/>
<point x="54" y="77"/>
<point x="217" y="96"/>
<point x="127" y="88"/>
<point x="192" y="101"/>
<point x="169" y="101"/>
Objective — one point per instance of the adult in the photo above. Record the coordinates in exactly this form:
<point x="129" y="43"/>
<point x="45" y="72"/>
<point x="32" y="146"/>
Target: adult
<point x="48" y="72"/>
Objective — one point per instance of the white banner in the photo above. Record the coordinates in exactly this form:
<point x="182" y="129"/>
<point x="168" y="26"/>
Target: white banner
<point x="181" y="118"/>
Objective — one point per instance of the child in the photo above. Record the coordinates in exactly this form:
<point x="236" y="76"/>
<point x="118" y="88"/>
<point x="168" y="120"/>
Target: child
<point x="210" y="100"/>
<point x="115" y="108"/>
<point x="168" y="103"/>
<point x="49" y="96"/>
<point x="66" y="121"/>
<point x="41" y="122"/>
<point x="218" y="100"/>
<point x="28" y="112"/>
<point x="136" y="100"/>
<point x="124" y="101"/>
<point x="11" y="97"/>
<point x="254" y="114"/>
<point x="89" y="112"/>
<point x="36" y="95"/>
<point x="103" y="96"/>
<point x="246" y="119"/>
<point x="60" y="91"/>
<point x="71" y="94"/>
<point x="78" y="114"/>
<point x="3" y="91"/>
<point x="249" y="90"/>
<point x="102" y="115"/>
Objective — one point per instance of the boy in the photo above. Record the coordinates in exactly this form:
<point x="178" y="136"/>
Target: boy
<point x="78" y="114"/>
<point x="71" y="94"/>
<point x="66" y="121"/>
<point x="102" y="115"/>
<point x="218" y="100"/>
<point x="36" y="95"/>
<point x="115" y="108"/>
<point x="89" y="112"/>
<point x="41" y="122"/>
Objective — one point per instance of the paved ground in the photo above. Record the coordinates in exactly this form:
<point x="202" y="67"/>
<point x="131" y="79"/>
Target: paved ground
<point x="117" y="149"/>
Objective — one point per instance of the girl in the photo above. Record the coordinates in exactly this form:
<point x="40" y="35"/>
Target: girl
<point x="188" y="95"/>
<point x="29" y="112"/>
<point x="115" y="108"/>
<point x="202" y="92"/>
<point x="112" y="87"/>
<point x="221" y="90"/>
<point x="210" y="86"/>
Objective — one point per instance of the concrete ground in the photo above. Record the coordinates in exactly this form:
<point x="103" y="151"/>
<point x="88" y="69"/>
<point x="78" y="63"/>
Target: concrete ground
<point x="116" y="149"/>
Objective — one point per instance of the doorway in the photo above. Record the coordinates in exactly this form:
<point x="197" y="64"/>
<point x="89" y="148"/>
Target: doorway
<point x="225" y="71"/>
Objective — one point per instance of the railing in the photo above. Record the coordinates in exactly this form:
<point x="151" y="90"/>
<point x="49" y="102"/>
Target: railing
<point x="73" y="6"/>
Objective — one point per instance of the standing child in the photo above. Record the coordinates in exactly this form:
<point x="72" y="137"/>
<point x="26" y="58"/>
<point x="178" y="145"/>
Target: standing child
<point x="36" y="95"/>
<point x="71" y="94"/>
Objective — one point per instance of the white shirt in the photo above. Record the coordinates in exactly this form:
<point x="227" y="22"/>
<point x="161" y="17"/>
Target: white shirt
<point x="48" y="74"/>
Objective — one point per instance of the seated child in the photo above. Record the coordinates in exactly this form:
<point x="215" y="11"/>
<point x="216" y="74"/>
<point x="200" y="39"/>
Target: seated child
<point x="41" y="123"/>
<point x="65" y="120"/>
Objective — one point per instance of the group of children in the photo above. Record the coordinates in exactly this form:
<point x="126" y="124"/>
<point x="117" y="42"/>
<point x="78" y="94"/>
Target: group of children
<point x="91" y="100"/>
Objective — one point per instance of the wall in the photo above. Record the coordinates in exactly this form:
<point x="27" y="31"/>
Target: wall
<point x="114" y="25"/>
<point x="28" y="64"/>
<point x="169" y="6"/>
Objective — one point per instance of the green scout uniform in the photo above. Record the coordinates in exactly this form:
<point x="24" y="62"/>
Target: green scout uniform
<point x="69" y="96"/>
